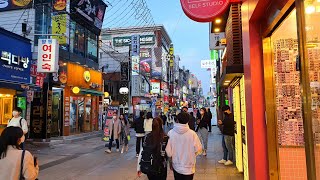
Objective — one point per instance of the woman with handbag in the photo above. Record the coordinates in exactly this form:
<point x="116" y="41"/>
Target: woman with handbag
<point x="16" y="164"/>
<point x="125" y="133"/>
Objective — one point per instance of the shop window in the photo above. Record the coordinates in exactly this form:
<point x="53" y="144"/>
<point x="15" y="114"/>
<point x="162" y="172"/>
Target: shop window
<point x="312" y="17"/>
<point x="92" y="46"/>
<point x="288" y="101"/>
<point x="79" y="40"/>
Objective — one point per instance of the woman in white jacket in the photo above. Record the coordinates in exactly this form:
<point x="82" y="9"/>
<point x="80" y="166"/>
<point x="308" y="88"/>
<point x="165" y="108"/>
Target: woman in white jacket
<point x="14" y="162"/>
<point x="183" y="147"/>
<point x="148" y="123"/>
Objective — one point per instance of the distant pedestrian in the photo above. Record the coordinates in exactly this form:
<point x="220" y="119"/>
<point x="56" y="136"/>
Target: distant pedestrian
<point x="209" y="118"/>
<point x="125" y="132"/>
<point x="18" y="121"/>
<point x="202" y="129"/>
<point x="138" y="127"/>
<point x="153" y="159"/>
<point x="164" y="118"/>
<point x="228" y="134"/>
<point x="81" y="120"/>
<point x="191" y="118"/>
<point x="183" y="147"/>
<point x="16" y="163"/>
<point x="115" y="129"/>
<point x="148" y="123"/>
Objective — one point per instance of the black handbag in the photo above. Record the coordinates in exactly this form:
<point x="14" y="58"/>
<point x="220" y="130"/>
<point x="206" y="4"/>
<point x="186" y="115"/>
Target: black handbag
<point x="21" y="166"/>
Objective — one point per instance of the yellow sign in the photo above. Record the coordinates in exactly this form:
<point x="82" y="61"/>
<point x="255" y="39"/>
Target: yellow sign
<point x="75" y="90"/>
<point x="59" y="26"/>
<point x="87" y="76"/>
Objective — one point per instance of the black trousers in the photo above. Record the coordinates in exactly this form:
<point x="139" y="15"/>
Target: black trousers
<point x="111" y="141"/>
<point x="138" y="146"/>
<point x="210" y="126"/>
<point x="163" y="176"/>
<point x="178" y="176"/>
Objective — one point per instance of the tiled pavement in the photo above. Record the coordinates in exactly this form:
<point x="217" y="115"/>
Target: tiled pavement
<point x="87" y="160"/>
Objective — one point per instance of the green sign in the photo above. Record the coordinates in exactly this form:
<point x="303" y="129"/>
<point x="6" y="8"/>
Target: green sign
<point x="126" y="40"/>
<point x="214" y="55"/>
<point x="22" y="103"/>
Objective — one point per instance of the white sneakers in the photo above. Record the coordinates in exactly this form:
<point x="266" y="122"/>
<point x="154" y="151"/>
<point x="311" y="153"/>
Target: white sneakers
<point x="222" y="161"/>
<point x="108" y="151"/>
<point x="204" y="153"/>
<point x="228" y="163"/>
<point x="137" y="155"/>
<point x="118" y="150"/>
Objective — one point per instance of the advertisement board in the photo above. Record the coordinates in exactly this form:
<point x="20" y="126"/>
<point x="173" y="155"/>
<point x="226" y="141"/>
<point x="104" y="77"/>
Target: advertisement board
<point x="135" y="60"/>
<point x="124" y="73"/>
<point x="8" y="5"/>
<point x="136" y="83"/>
<point x="15" y="59"/>
<point x="146" y="61"/>
<point x="157" y="63"/>
<point x="48" y="56"/>
<point x="205" y="64"/>
<point x="215" y="41"/>
<point x="90" y="11"/>
<point x="59" y="5"/>
<point x="126" y="40"/>
<point x="135" y="45"/>
<point x="155" y="86"/>
<point x="59" y="26"/>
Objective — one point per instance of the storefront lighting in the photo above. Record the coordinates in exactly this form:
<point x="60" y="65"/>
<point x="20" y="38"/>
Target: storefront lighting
<point x="216" y="30"/>
<point x="75" y="90"/>
<point x="106" y="94"/>
<point x="310" y="9"/>
<point x="218" y="21"/>
<point x="64" y="64"/>
<point x="124" y="90"/>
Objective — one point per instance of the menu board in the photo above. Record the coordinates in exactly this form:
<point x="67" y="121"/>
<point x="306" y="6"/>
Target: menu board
<point x="288" y="96"/>
<point x="314" y="75"/>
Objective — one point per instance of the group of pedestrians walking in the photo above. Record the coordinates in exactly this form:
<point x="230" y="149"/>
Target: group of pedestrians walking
<point x="180" y="147"/>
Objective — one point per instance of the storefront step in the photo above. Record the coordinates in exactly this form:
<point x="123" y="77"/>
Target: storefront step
<point x="65" y="139"/>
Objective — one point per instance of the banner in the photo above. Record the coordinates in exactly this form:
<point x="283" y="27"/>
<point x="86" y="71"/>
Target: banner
<point x="157" y="63"/>
<point x="48" y="55"/>
<point x="145" y="61"/>
<point x="59" y="26"/>
<point x="124" y="74"/>
<point x="135" y="45"/>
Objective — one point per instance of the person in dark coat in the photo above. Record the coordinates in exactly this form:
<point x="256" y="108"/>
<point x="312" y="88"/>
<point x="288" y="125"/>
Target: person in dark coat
<point x="209" y="118"/>
<point x="164" y="118"/>
<point x="202" y="129"/>
<point x="191" y="121"/>
<point x="138" y="126"/>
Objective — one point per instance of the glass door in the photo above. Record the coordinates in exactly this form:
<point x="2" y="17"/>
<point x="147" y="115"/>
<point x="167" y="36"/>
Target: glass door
<point x="87" y="122"/>
<point x="56" y="113"/>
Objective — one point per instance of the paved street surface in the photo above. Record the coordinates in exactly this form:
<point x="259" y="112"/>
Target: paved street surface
<point x="87" y="160"/>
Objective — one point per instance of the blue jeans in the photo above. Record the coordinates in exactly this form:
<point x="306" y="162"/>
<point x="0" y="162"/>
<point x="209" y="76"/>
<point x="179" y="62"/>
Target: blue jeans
<point x="229" y="140"/>
<point x="225" y="150"/>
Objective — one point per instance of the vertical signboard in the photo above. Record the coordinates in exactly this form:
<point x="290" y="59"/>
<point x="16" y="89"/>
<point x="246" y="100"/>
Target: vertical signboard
<point x="124" y="71"/>
<point x="135" y="86"/>
<point x="135" y="60"/>
<point x="135" y="45"/>
<point x="59" y="26"/>
<point x="157" y="63"/>
<point x="145" y="61"/>
<point x="48" y="55"/>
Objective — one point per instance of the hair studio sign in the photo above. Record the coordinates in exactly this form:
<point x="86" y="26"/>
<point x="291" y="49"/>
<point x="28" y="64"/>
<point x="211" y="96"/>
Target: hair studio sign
<point x="204" y="10"/>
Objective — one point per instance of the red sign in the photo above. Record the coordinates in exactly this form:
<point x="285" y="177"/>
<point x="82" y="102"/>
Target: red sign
<point x="204" y="10"/>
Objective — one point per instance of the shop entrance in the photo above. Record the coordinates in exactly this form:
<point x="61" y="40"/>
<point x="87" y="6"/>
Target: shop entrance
<point x="56" y="124"/>
<point x="6" y="105"/>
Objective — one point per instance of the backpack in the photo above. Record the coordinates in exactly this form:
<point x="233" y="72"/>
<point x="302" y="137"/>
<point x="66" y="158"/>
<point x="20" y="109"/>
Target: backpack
<point x="153" y="162"/>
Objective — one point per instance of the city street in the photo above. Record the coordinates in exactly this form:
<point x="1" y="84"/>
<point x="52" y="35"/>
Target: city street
<point x="87" y="160"/>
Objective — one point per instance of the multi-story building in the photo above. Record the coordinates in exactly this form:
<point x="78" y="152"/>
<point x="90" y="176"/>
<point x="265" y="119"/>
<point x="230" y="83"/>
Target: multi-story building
<point x="147" y="65"/>
<point x="65" y="101"/>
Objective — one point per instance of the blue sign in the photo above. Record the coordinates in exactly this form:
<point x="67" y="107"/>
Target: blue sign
<point x="135" y="45"/>
<point x="15" y="58"/>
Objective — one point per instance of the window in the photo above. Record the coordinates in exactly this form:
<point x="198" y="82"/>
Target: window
<point x="92" y="46"/>
<point x="42" y="22"/>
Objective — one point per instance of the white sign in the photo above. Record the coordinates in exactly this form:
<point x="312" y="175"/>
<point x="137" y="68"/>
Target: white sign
<point x="48" y="56"/>
<point x="205" y="64"/>
<point x="135" y="65"/>
<point x="215" y="41"/>
<point x="136" y="82"/>
<point x="155" y="87"/>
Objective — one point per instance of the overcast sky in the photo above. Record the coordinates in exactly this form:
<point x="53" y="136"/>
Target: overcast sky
<point x="190" y="39"/>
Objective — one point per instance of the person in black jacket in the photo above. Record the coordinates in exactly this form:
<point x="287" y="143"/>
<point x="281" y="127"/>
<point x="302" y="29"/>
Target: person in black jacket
<point x="138" y="127"/>
<point x="191" y="120"/>
<point x="228" y="133"/>
<point x="210" y="118"/>
<point x="202" y="128"/>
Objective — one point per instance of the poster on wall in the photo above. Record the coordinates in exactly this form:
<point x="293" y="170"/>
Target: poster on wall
<point x="8" y="5"/>
<point x="145" y="61"/>
<point x="157" y="63"/>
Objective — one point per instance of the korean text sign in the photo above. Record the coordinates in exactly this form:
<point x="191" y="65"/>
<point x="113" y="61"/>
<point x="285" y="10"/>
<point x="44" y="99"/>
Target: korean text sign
<point x="48" y="56"/>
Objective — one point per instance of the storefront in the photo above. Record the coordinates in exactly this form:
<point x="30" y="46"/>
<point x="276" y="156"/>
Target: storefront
<point x="281" y="53"/>
<point x="82" y="95"/>
<point x="15" y="80"/>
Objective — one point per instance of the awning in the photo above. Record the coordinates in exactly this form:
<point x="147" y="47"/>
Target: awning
<point x="92" y="92"/>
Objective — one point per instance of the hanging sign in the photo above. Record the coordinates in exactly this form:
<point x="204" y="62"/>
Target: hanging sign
<point x="204" y="10"/>
<point x="48" y="56"/>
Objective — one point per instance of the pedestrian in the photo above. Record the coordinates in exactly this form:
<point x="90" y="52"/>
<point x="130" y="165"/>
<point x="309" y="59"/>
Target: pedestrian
<point x="115" y="130"/>
<point x="148" y="123"/>
<point x="16" y="163"/>
<point x="191" y="119"/>
<point x="228" y="134"/>
<point x="138" y="127"/>
<point x="153" y="159"/>
<point x="210" y="118"/>
<point x="183" y="147"/>
<point x="202" y="129"/>
<point x="164" y="118"/>
<point x="125" y="132"/>
<point x="81" y="120"/>
<point x="198" y="114"/>
<point x="18" y="121"/>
